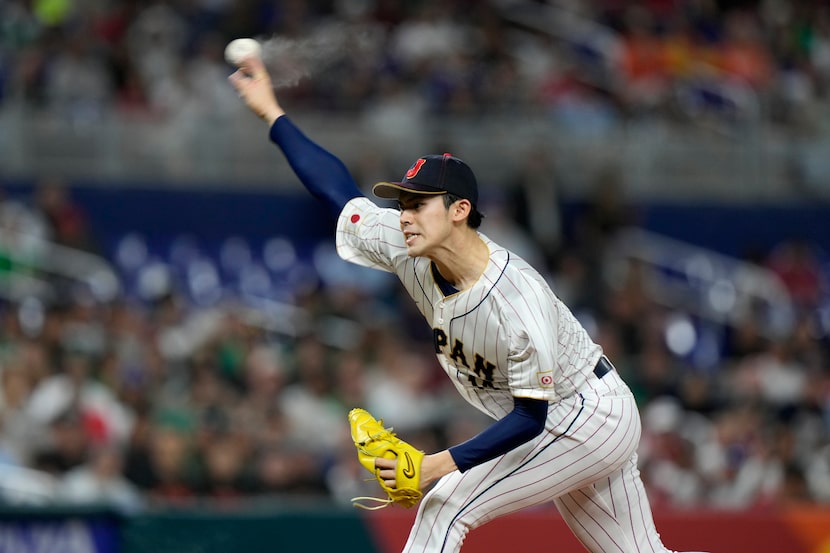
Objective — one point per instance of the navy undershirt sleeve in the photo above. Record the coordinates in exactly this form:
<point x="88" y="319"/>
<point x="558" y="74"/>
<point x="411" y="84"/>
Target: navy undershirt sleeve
<point x="320" y="171"/>
<point x="524" y="422"/>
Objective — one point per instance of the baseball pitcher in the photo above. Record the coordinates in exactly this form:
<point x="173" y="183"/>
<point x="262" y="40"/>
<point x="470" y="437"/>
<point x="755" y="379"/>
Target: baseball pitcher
<point x="566" y="427"/>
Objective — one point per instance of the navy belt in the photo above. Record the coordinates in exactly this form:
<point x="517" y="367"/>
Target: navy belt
<point x="603" y="367"/>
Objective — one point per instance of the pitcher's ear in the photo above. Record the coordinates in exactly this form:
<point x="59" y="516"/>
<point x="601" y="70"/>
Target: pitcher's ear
<point x="461" y="208"/>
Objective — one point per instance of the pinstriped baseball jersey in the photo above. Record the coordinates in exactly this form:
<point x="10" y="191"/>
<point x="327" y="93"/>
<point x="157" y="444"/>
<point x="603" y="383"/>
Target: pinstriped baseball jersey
<point x="508" y="335"/>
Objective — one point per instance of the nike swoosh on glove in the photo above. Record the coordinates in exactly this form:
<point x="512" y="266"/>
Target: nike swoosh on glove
<point x="372" y="440"/>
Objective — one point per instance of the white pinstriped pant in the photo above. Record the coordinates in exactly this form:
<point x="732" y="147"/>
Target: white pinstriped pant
<point x="585" y="462"/>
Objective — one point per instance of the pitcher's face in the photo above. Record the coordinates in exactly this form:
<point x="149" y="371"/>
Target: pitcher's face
<point x="425" y="223"/>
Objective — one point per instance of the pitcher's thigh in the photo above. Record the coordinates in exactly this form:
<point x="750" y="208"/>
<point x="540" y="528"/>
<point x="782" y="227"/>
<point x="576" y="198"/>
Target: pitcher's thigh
<point x="613" y="514"/>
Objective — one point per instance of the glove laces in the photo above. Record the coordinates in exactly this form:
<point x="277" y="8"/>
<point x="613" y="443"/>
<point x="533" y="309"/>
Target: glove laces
<point x="356" y="501"/>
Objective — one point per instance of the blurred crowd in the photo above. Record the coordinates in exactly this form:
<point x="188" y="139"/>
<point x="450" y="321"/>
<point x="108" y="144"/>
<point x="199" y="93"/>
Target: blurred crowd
<point x="588" y="64"/>
<point x="136" y="402"/>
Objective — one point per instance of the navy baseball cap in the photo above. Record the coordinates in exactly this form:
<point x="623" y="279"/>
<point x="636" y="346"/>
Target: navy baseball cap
<point x="433" y="175"/>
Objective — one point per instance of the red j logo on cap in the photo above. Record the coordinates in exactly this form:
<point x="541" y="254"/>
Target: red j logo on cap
<point x="415" y="168"/>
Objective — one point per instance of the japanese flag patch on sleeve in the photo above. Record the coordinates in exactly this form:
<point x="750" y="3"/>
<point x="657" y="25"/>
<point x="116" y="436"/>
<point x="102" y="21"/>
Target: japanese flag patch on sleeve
<point x="545" y="379"/>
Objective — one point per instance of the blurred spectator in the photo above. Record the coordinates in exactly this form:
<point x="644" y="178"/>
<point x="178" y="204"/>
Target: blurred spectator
<point x="19" y="433"/>
<point x="578" y="108"/>
<point x="673" y="479"/>
<point x="73" y="397"/>
<point x="798" y="268"/>
<point x="503" y="229"/>
<point x="78" y="84"/>
<point x="773" y="376"/>
<point x="67" y="444"/>
<point x="396" y="110"/>
<point x="698" y="393"/>
<point x="165" y="468"/>
<point x="657" y="375"/>
<point x="626" y="305"/>
<point x="351" y="380"/>
<point x="644" y="71"/>
<point x="401" y="388"/>
<point x="99" y="481"/>
<point x="818" y="475"/>
<point x="743" y="55"/>
<point x="24" y="228"/>
<point x="818" y="49"/>
<point x="757" y="478"/>
<point x="315" y="415"/>
<point x="68" y="222"/>
<point x="429" y="34"/>
<point x="667" y="455"/>
<point x="289" y="470"/>
<point x="573" y="282"/>
<point x="209" y="96"/>
<point x="226" y="476"/>
<point x="607" y="211"/>
<point x="265" y="378"/>
<point x="155" y="43"/>
<point x="533" y="201"/>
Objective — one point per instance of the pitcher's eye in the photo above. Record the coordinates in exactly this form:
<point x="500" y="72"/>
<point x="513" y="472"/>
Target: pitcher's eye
<point x="411" y="205"/>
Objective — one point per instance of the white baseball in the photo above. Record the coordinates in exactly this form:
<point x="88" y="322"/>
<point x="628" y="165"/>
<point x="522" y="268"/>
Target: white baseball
<point x="241" y="48"/>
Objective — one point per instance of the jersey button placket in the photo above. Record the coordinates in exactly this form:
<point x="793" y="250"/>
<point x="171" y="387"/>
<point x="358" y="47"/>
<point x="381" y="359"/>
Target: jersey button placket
<point x="441" y="313"/>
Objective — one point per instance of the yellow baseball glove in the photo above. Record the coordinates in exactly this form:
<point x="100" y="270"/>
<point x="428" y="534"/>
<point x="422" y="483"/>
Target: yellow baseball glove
<point x="372" y="440"/>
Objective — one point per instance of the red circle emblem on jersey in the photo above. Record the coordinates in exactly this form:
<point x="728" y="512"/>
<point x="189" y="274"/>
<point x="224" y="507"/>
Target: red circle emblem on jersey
<point x="355" y="218"/>
<point x="546" y="380"/>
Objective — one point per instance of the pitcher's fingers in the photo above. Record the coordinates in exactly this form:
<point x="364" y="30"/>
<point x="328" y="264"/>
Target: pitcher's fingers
<point x="384" y="463"/>
<point x="236" y="79"/>
<point x="388" y="477"/>
<point x="253" y="67"/>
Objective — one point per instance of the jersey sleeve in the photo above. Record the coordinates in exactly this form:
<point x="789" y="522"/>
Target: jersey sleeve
<point x="369" y="235"/>
<point x="532" y="363"/>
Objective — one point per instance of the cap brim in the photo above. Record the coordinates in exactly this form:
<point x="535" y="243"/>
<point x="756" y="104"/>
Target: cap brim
<point x="392" y="190"/>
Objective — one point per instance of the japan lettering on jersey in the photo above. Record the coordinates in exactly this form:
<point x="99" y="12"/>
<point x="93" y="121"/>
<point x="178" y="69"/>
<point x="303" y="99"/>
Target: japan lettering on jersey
<point x="507" y="335"/>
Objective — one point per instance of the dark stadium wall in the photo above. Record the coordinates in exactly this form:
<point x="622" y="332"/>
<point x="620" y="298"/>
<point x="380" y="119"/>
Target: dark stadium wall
<point x="212" y="214"/>
<point x="307" y="528"/>
<point x="542" y="530"/>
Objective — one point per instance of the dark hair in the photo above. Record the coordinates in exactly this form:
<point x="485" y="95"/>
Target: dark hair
<point x="475" y="217"/>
